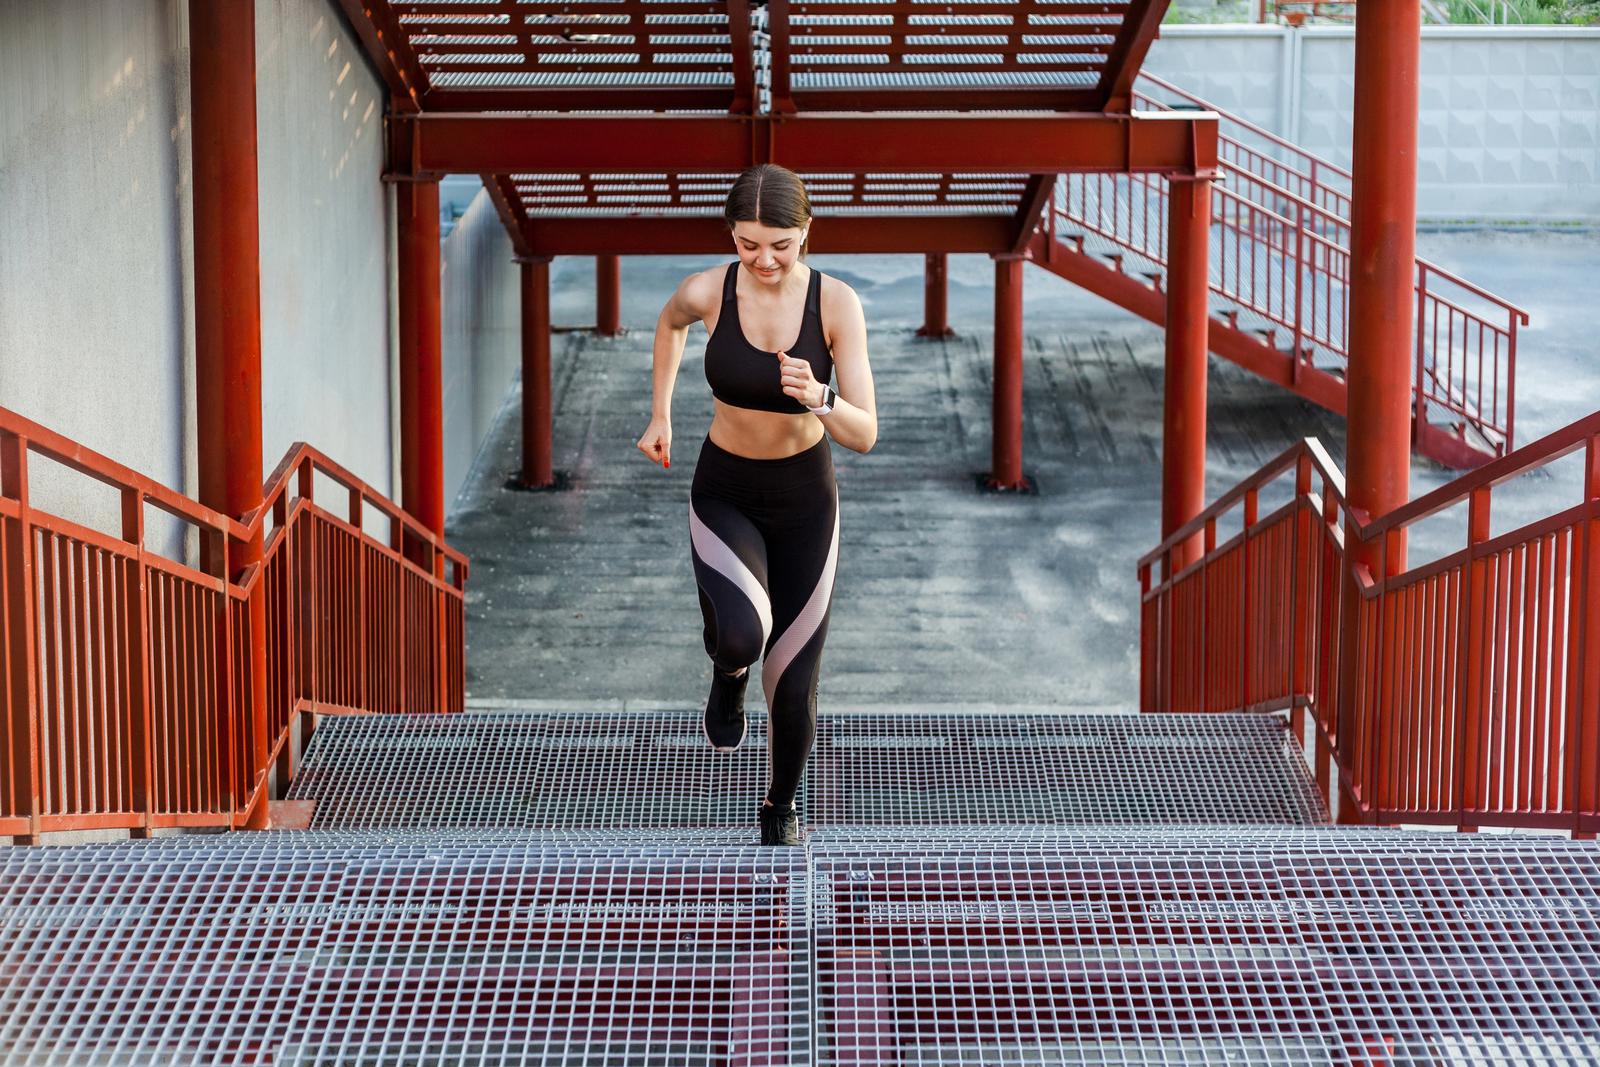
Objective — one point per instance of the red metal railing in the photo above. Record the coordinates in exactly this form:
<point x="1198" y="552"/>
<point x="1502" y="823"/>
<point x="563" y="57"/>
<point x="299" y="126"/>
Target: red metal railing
<point x="1471" y="695"/>
<point x="1281" y="261"/>
<point x="126" y="681"/>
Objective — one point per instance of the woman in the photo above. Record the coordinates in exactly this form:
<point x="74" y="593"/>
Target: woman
<point x="763" y="507"/>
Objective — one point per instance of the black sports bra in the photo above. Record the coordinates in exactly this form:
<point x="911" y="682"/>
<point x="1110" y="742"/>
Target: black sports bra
<point x="746" y="376"/>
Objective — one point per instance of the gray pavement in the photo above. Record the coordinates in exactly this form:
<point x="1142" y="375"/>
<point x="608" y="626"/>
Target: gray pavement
<point x="945" y="596"/>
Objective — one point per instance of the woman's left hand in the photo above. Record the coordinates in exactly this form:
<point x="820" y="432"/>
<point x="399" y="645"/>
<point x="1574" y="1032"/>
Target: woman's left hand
<point x="798" y="382"/>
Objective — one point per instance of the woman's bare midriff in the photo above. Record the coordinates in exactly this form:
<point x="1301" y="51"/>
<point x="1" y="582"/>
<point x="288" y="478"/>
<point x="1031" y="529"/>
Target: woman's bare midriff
<point x="762" y="434"/>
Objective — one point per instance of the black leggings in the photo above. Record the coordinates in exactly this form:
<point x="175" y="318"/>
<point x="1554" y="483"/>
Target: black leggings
<point x="765" y="538"/>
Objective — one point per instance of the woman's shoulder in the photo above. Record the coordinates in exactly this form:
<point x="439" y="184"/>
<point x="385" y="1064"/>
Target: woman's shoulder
<point x="701" y="292"/>
<point x="836" y="296"/>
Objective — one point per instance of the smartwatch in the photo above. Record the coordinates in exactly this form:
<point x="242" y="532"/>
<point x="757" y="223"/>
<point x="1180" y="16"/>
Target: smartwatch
<point x="828" y="397"/>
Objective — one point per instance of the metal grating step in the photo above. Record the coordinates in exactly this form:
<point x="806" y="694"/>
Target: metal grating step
<point x="642" y="771"/>
<point x="406" y="953"/>
<point x="1282" y="947"/>
<point x="1019" y="945"/>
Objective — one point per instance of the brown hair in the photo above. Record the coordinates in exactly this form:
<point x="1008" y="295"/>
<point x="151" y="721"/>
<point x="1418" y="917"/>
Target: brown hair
<point x="771" y="195"/>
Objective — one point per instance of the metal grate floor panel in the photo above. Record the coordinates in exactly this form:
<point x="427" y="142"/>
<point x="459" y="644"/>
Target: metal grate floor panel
<point x="642" y="771"/>
<point x="1108" y="945"/>
<point x="407" y="953"/>
<point x="1304" y="947"/>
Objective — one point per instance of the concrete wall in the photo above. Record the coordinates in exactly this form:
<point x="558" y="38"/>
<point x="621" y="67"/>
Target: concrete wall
<point x="1509" y="118"/>
<point x="482" y="342"/>
<point x="96" y="271"/>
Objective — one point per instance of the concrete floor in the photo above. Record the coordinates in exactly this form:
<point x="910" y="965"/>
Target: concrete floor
<point x="944" y="595"/>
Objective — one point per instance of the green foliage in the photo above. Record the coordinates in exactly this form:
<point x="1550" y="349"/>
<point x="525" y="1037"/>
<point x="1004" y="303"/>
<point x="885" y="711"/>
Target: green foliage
<point x="1523" y="12"/>
<point x="1461" y="12"/>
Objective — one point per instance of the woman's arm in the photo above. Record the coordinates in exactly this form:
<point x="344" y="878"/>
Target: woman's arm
<point x="688" y="305"/>
<point x="684" y="308"/>
<point x="853" y="422"/>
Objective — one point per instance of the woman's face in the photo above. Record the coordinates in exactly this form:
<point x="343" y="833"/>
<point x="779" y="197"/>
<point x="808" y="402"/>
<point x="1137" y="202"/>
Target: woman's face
<point x="767" y="253"/>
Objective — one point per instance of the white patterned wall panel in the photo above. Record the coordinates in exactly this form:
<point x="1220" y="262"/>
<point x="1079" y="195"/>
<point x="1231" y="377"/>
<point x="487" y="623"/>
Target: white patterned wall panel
<point x="1236" y="68"/>
<point x="1508" y="123"/>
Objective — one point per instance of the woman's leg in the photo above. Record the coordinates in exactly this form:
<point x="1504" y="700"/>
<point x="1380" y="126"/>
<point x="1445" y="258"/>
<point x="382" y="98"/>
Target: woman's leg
<point x="805" y="551"/>
<point x="730" y="569"/>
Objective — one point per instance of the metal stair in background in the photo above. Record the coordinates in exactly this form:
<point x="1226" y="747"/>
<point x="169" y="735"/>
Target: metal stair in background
<point x="1279" y="281"/>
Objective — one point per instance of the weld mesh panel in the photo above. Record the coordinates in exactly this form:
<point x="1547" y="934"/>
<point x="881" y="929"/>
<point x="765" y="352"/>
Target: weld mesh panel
<point x="628" y="43"/>
<point x="1004" y="944"/>
<point x="636" y="771"/>
<point x="1066" y="79"/>
<point x="131" y="954"/>
<point x="1291" y="947"/>
<point x="598" y="195"/>
<point x="1059" y="768"/>
<point x="406" y="953"/>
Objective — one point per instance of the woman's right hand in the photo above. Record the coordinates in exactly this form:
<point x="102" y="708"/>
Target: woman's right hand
<point x="657" y="442"/>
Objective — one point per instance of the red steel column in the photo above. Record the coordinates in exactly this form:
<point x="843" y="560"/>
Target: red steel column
<point x="1006" y="471"/>
<point x="608" y="295"/>
<point x="536" y="470"/>
<point x="227" y="280"/>
<point x="421" y="391"/>
<point x="1183" y="429"/>
<point x="935" y="297"/>
<point x="1383" y="224"/>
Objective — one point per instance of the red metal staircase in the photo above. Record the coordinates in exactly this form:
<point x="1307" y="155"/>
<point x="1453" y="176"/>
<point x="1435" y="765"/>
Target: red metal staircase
<point x="1280" y="282"/>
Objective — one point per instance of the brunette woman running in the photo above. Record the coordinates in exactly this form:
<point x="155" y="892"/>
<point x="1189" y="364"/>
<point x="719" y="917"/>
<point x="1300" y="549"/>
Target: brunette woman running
<point x="763" y="506"/>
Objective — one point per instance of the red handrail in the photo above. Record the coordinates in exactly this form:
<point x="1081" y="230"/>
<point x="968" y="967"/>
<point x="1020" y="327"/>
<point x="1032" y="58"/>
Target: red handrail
<point x="1469" y="690"/>
<point x="127" y="678"/>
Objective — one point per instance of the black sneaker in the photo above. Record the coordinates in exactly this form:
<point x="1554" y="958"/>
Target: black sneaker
<point x="724" y="725"/>
<point x="779" y="827"/>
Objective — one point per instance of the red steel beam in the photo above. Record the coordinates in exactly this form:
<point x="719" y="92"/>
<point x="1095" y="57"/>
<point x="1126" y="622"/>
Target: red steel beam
<point x="831" y="233"/>
<point x="506" y="201"/>
<point x="1140" y="26"/>
<point x="1031" y="208"/>
<point x="744" y="83"/>
<point x="1006" y="469"/>
<point x="431" y="145"/>
<point x="227" y="273"/>
<point x="935" y="297"/>
<point x="1183" y="441"/>
<point x="390" y="51"/>
<point x="608" y="295"/>
<point x="421" y="403"/>
<point x="536" y="407"/>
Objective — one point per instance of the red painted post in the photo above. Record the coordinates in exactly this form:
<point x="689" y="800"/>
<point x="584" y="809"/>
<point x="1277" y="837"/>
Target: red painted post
<point x="1304" y="561"/>
<point x="227" y="272"/>
<point x="1383" y="226"/>
<point x="136" y="612"/>
<point x="607" y="295"/>
<point x="1382" y="271"/>
<point x="1183" y="442"/>
<point x="1472" y="665"/>
<point x="536" y="408"/>
<point x="21" y="760"/>
<point x="935" y="296"/>
<point x="421" y="398"/>
<point x="1583" y="736"/>
<point x="1006" y="470"/>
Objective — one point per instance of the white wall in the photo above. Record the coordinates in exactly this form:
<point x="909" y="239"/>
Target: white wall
<point x="95" y="324"/>
<point x="96" y="271"/>
<point x="324" y="241"/>
<point x="1508" y="121"/>
<point x="482" y="334"/>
